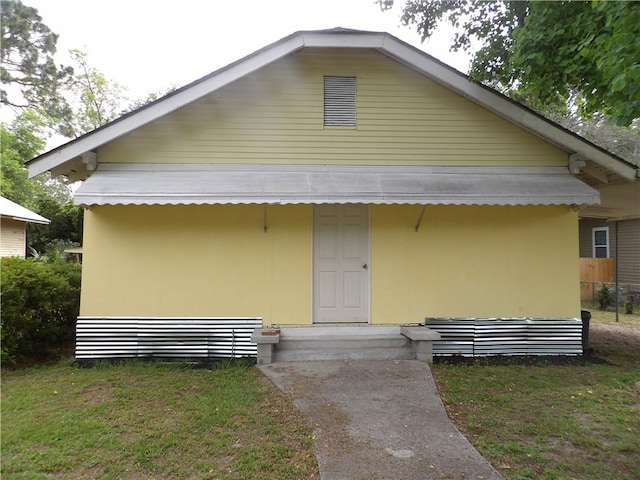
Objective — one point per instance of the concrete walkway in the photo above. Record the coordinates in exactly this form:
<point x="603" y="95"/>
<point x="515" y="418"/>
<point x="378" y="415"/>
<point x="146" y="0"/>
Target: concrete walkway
<point x="378" y="420"/>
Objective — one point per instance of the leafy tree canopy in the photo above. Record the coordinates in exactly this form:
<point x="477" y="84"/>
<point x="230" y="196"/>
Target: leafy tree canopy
<point x="588" y="52"/>
<point x="22" y="140"/>
<point x="94" y="99"/>
<point x="27" y="60"/>
<point x="48" y="99"/>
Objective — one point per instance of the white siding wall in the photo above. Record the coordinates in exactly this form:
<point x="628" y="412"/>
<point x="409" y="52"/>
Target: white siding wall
<point x="13" y="239"/>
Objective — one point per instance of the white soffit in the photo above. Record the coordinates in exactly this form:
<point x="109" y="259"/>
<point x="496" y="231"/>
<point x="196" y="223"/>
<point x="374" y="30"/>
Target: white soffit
<point x="171" y="184"/>
<point x="387" y="44"/>
<point x="620" y="201"/>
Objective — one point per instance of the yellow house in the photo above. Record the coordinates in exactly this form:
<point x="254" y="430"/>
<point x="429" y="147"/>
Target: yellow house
<point x="334" y="177"/>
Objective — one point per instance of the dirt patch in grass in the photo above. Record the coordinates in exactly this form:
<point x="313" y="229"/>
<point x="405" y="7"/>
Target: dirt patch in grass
<point x="97" y="393"/>
<point x="607" y="335"/>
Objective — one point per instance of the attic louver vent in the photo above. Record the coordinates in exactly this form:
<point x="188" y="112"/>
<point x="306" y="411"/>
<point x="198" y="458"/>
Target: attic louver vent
<point x="340" y="101"/>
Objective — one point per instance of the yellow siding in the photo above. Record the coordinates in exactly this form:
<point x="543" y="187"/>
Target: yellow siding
<point x="473" y="262"/>
<point x="198" y="261"/>
<point x="275" y="116"/>
<point x="217" y="261"/>
<point x="13" y="238"/>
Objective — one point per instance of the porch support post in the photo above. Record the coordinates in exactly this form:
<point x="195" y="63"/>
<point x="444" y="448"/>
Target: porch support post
<point x="266" y="345"/>
<point x="421" y="341"/>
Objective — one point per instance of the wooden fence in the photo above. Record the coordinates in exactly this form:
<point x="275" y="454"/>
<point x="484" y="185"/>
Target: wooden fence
<point x="592" y="272"/>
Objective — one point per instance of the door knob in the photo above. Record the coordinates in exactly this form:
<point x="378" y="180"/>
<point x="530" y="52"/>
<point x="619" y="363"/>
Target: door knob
<point x="364" y="265"/>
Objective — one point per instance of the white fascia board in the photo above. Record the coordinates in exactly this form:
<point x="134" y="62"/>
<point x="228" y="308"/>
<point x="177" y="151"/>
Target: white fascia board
<point x="44" y="221"/>
<point x="40" y="220"/>
<point x="345" y="40"/>
<point x="502" y="106"/>
<point x="14" y="211"/>
<point x="186" y="95"/>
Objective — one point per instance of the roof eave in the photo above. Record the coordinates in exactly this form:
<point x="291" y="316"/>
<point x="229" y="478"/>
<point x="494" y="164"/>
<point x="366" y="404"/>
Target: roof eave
<point x="171" y="102"/>
<point x="387" y="44"/>
<point x="40" y="221"/>
<point x="505" y="107"/>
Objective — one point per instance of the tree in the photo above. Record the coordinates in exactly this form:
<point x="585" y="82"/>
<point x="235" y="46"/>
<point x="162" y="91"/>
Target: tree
<point x="65" y="229"/>
<point x="588" y="52"/>
<point x="22" y="140"/>
<point x="27" y="61"/>
<point x="620" y="140"/>
<point x="94" y="99"/>
<point x="53" y="99"/>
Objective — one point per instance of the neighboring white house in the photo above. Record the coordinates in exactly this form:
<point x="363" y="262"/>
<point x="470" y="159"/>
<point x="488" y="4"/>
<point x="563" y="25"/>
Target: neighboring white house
<point x="13" y="223"/>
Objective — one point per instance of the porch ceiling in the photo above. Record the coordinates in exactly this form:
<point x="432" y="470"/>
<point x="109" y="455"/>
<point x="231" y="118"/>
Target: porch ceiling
<point x="619" y="201"/>
<point x="171" y="184"/>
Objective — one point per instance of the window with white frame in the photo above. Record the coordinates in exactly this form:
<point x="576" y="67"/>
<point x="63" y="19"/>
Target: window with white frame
<point x="600" y="237"/>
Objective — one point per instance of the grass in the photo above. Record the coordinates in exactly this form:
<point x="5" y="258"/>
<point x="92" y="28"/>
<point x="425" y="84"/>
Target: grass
<point x="170" y="421"/>
<point x="610" y="316"/>
<point x="150" y="421"/>
<point x="548" y="420"/>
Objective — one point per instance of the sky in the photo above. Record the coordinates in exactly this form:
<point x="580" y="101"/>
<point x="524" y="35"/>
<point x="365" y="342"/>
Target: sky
<point x="150" y="46"/>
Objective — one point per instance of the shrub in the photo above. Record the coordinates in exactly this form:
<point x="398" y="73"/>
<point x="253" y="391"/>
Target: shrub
<point x="40" y="304"/>
<point x="606" y="296"/>
<point x="628" y="307"/>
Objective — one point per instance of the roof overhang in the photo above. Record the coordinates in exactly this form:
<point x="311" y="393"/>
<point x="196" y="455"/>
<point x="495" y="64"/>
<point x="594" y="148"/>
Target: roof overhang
<point x="41" y="220"/>
<point x="13" y="211"/>
<point x="619" y="201"/>
<point x="67" y="159"/>
<point x="206" y="184"/>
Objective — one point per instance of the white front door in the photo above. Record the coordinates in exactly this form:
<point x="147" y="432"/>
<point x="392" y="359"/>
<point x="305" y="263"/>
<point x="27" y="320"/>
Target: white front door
<point x="340" y="262"/>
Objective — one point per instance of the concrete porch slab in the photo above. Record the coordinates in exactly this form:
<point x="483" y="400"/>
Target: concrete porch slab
<point x="387" y="342"/>
<point x="342" y="343"/>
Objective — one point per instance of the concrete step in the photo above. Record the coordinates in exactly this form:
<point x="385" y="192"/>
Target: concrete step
<point x="338" y="331"/>
<point x="342" y="343"/>
<point x="342" y="354"/>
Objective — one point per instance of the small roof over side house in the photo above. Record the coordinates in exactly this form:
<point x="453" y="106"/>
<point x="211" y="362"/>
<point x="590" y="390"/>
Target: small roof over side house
<point x="78" y="158"/>
<point x="13" y="211"/>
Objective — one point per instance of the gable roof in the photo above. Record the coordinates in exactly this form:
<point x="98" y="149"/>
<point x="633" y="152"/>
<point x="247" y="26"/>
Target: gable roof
<point x="12" y="210"/>
<point x="75" y="156"/>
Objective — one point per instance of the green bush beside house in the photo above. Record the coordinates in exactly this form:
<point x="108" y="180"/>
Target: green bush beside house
<point x="40" y="303"/>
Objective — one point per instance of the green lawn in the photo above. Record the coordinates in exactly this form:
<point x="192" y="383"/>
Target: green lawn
<point x="169" y="421"/>
<point x="554" y="421"/>
<point x="150" y="421"/>
<point x="610" y="316"/>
